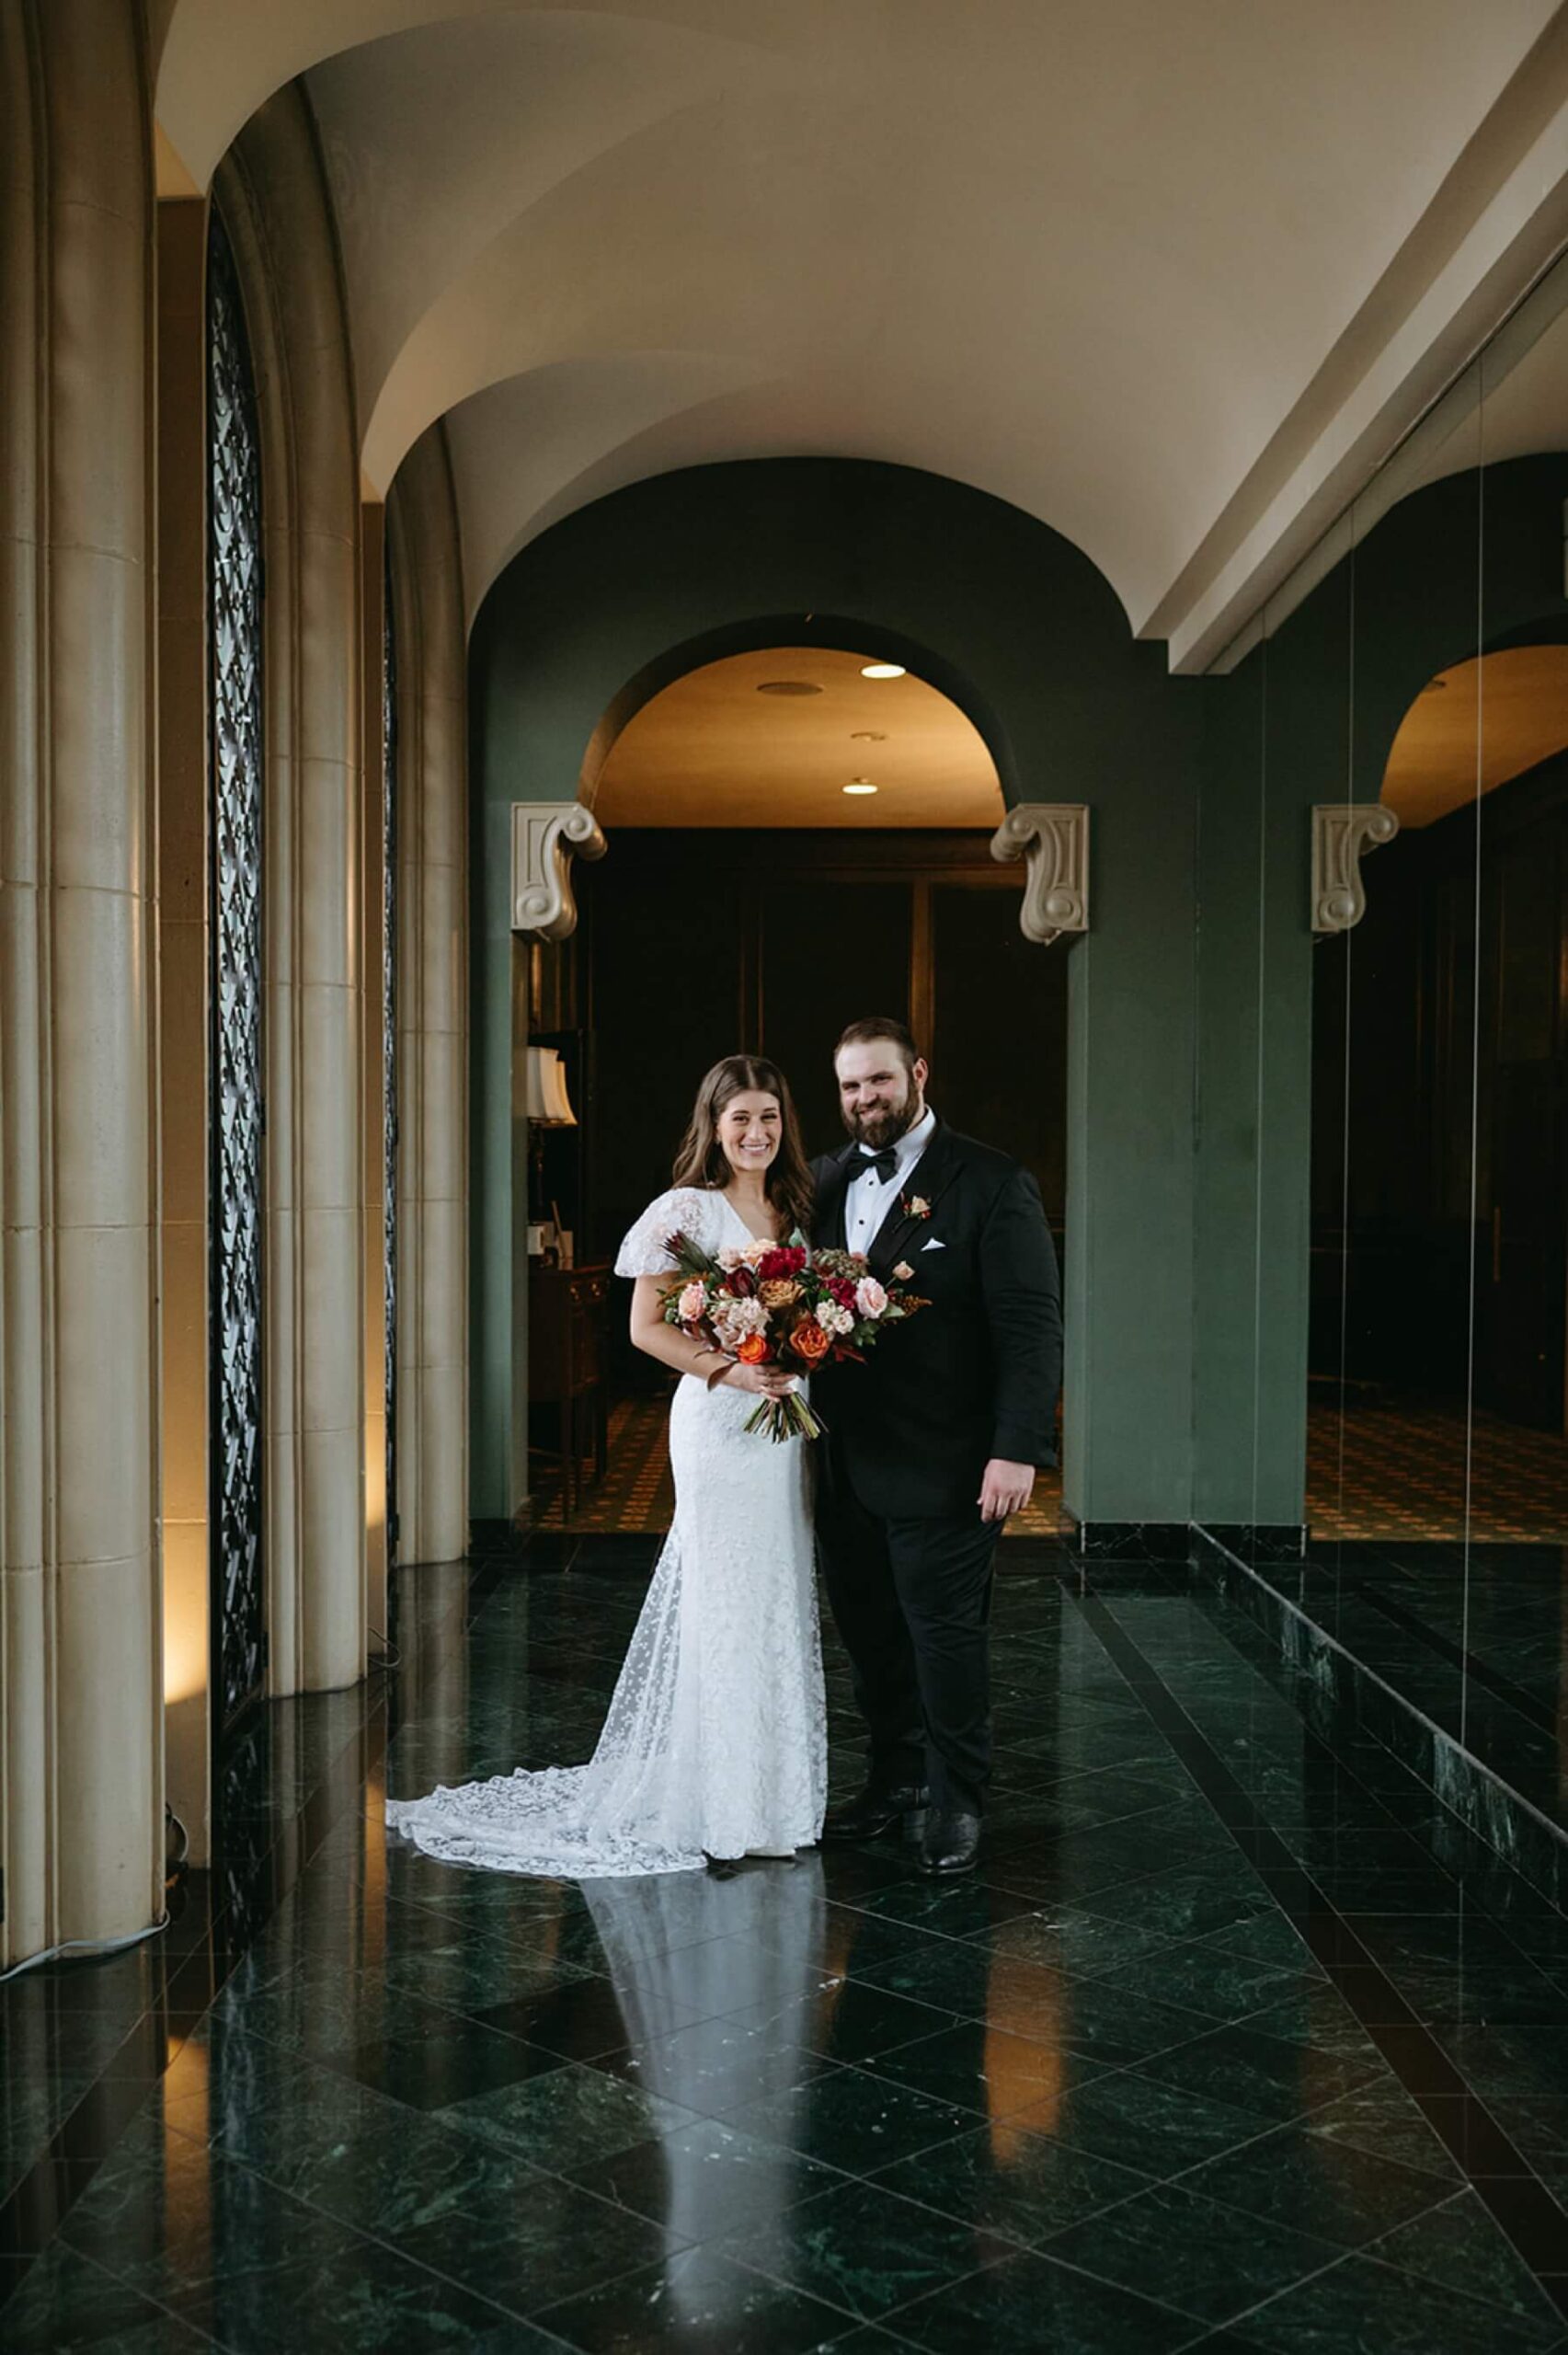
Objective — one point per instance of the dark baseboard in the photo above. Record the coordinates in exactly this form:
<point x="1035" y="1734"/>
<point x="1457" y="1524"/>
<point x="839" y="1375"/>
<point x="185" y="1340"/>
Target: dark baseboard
<point x="1129" y="1540"/>
<point x="499" y="1544"/>
<point x="1260" y="1541"/>
<point x="490" y="1541"/>
<point x="1477" y="1793"/>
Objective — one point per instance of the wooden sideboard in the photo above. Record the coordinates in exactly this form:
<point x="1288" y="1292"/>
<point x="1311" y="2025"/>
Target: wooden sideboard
<point x="567" y="1363"/>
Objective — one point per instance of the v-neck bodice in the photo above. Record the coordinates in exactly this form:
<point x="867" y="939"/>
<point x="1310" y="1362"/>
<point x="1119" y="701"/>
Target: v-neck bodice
<point x="739" y="1221"/>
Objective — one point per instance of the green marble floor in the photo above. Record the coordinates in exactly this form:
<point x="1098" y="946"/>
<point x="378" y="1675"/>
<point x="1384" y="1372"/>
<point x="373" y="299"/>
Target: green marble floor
<point x="1472" y="1638"/>
<point x="1239" y="2040"/>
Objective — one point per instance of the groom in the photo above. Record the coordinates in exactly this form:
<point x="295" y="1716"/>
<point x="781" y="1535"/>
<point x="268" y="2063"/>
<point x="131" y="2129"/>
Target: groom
<point x="934" y="1440"/>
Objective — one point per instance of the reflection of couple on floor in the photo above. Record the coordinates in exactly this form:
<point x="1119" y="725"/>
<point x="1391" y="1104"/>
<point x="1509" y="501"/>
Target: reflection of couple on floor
<point x="743" y="2001"/>
<point x="715" y="1742"/>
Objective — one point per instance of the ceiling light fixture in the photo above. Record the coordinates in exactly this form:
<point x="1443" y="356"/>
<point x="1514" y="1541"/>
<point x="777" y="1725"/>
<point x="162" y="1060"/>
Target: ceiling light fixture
<point x="860" y="785"/>
<point x="881" y="670"/>
<point x="868" y="736"/>
<point x="788" y="687"/>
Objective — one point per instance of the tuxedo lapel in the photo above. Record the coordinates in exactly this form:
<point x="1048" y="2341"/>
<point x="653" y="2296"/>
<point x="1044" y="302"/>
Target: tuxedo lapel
<point x="902" y="1233"/>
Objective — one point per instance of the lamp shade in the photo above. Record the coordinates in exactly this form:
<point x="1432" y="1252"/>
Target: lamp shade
<point x="549" y="1106"/>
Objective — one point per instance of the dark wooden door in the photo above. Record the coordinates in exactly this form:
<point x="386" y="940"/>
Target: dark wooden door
<point x="698" y="946"/>
<point x="829" y="953"/>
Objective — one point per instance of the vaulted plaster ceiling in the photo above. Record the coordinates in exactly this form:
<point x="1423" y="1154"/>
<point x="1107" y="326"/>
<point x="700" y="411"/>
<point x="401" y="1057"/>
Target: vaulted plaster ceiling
<point x="722" y="746"/>
<point x="1171" y="280"/>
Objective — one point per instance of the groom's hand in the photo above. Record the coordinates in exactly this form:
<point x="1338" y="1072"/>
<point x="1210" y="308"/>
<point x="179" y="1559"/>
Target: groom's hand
<point x="1006" y="1488"/>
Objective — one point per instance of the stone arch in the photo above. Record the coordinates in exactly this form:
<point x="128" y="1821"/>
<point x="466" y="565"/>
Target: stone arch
<point x="1030" y="639"/>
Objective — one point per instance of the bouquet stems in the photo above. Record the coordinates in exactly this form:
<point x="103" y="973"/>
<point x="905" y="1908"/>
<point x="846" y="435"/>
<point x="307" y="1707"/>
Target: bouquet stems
<point x="789" y="1417"/>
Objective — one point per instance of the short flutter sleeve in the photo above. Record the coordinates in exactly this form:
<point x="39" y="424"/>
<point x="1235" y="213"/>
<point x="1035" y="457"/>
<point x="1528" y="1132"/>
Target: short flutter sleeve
<point x="685" y="1210"/>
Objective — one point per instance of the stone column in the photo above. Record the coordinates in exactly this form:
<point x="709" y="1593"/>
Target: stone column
<point x="372" y="609"/>
<point x="184" y="951"/>
<point x="272" y="192"/>
<point x="432" y="1010"/>
<point x="81" y="1749"/>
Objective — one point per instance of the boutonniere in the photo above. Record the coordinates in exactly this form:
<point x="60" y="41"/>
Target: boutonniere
<point x="915" y="1206"/>
<point x="903" y="1271"/>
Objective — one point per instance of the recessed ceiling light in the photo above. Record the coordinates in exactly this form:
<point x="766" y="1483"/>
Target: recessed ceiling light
<point x="868" y="736"/>
<point x="860" y="785"/>
<point x="881" y="670"/>
<point x="788" y="687"/>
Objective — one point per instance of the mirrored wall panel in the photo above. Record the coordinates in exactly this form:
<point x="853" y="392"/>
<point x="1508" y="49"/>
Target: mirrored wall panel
<point x="1382" y="1239"/>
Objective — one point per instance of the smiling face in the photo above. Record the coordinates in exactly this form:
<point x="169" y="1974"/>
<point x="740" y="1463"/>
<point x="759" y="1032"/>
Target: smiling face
<point x="880" y="1096"/>
<point x="750" y="1128"/>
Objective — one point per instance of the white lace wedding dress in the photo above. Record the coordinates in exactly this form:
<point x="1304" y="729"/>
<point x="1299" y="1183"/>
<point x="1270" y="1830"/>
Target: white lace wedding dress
<point x="715" y="1742"/>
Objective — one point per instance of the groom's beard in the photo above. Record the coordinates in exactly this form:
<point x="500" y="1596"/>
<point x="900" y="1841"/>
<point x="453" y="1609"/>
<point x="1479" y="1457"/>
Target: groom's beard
<point x="881" y="1126"/>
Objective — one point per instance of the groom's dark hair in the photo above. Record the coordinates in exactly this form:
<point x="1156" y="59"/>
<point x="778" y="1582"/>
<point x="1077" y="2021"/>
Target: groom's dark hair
<point x="880" y="1026"/>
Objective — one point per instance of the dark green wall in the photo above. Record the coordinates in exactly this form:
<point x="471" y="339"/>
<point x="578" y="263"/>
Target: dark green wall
<point x="1017" y="626"/>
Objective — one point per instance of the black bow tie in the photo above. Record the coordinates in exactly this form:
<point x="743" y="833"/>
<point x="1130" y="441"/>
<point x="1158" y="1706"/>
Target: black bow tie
<point x="884" y="1162"/>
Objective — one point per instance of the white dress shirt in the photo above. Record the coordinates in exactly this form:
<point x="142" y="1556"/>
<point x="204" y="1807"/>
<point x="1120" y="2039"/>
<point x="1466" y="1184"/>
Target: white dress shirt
<point x="867" y="1200"/>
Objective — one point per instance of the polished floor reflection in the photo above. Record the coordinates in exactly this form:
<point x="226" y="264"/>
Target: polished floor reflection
<point x="1238" y="2041"/>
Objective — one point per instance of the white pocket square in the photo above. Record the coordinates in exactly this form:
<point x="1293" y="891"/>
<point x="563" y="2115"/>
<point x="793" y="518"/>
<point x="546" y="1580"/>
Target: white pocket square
<point x="936" y="1244"/>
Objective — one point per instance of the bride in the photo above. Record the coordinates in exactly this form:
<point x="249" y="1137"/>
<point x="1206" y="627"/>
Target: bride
<point x="716" y="1743"/>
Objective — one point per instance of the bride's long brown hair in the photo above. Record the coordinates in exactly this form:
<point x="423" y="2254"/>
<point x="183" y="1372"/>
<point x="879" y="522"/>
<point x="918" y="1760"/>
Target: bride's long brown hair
<point x="701" y="1159"/>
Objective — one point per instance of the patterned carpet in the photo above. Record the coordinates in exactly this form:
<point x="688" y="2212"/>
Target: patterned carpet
<point x="1379" y="1472"/>
<point x="1399" y="1472"/>
<point x="636" y="1494"/>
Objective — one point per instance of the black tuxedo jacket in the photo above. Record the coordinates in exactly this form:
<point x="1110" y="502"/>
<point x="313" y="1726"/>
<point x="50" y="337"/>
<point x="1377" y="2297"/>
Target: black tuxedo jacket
<point x="976" y="1374"/>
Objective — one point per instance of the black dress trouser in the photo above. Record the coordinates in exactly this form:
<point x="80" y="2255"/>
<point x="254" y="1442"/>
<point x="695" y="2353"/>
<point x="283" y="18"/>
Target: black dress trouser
<point x="912" y="1601"/>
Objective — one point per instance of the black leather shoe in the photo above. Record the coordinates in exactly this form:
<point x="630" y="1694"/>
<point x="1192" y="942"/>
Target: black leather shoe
<point x="877" y="1810"/>
<point x="951" y="1841"/>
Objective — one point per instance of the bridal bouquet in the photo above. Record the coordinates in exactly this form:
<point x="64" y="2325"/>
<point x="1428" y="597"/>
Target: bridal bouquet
<point x="774" y="1303"/>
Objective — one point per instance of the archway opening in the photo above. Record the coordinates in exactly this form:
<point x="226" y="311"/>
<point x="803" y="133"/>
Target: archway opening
<point x="1438" y="1355"/>
<point x="799" y="834"/>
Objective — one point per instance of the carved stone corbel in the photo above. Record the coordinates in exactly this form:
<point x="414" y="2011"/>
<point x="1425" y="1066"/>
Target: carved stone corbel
<point x="1054" y="837"/>
<point x="1341" y="833"/>
<point x="544" y="836"/>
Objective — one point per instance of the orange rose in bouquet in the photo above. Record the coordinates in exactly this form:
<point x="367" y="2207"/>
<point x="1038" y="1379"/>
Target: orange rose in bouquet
<point x="808" y="1340"/>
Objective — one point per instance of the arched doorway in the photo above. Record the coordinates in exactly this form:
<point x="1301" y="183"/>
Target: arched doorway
<point x="1083" y="722"/>
<point x="799" y="833"/>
